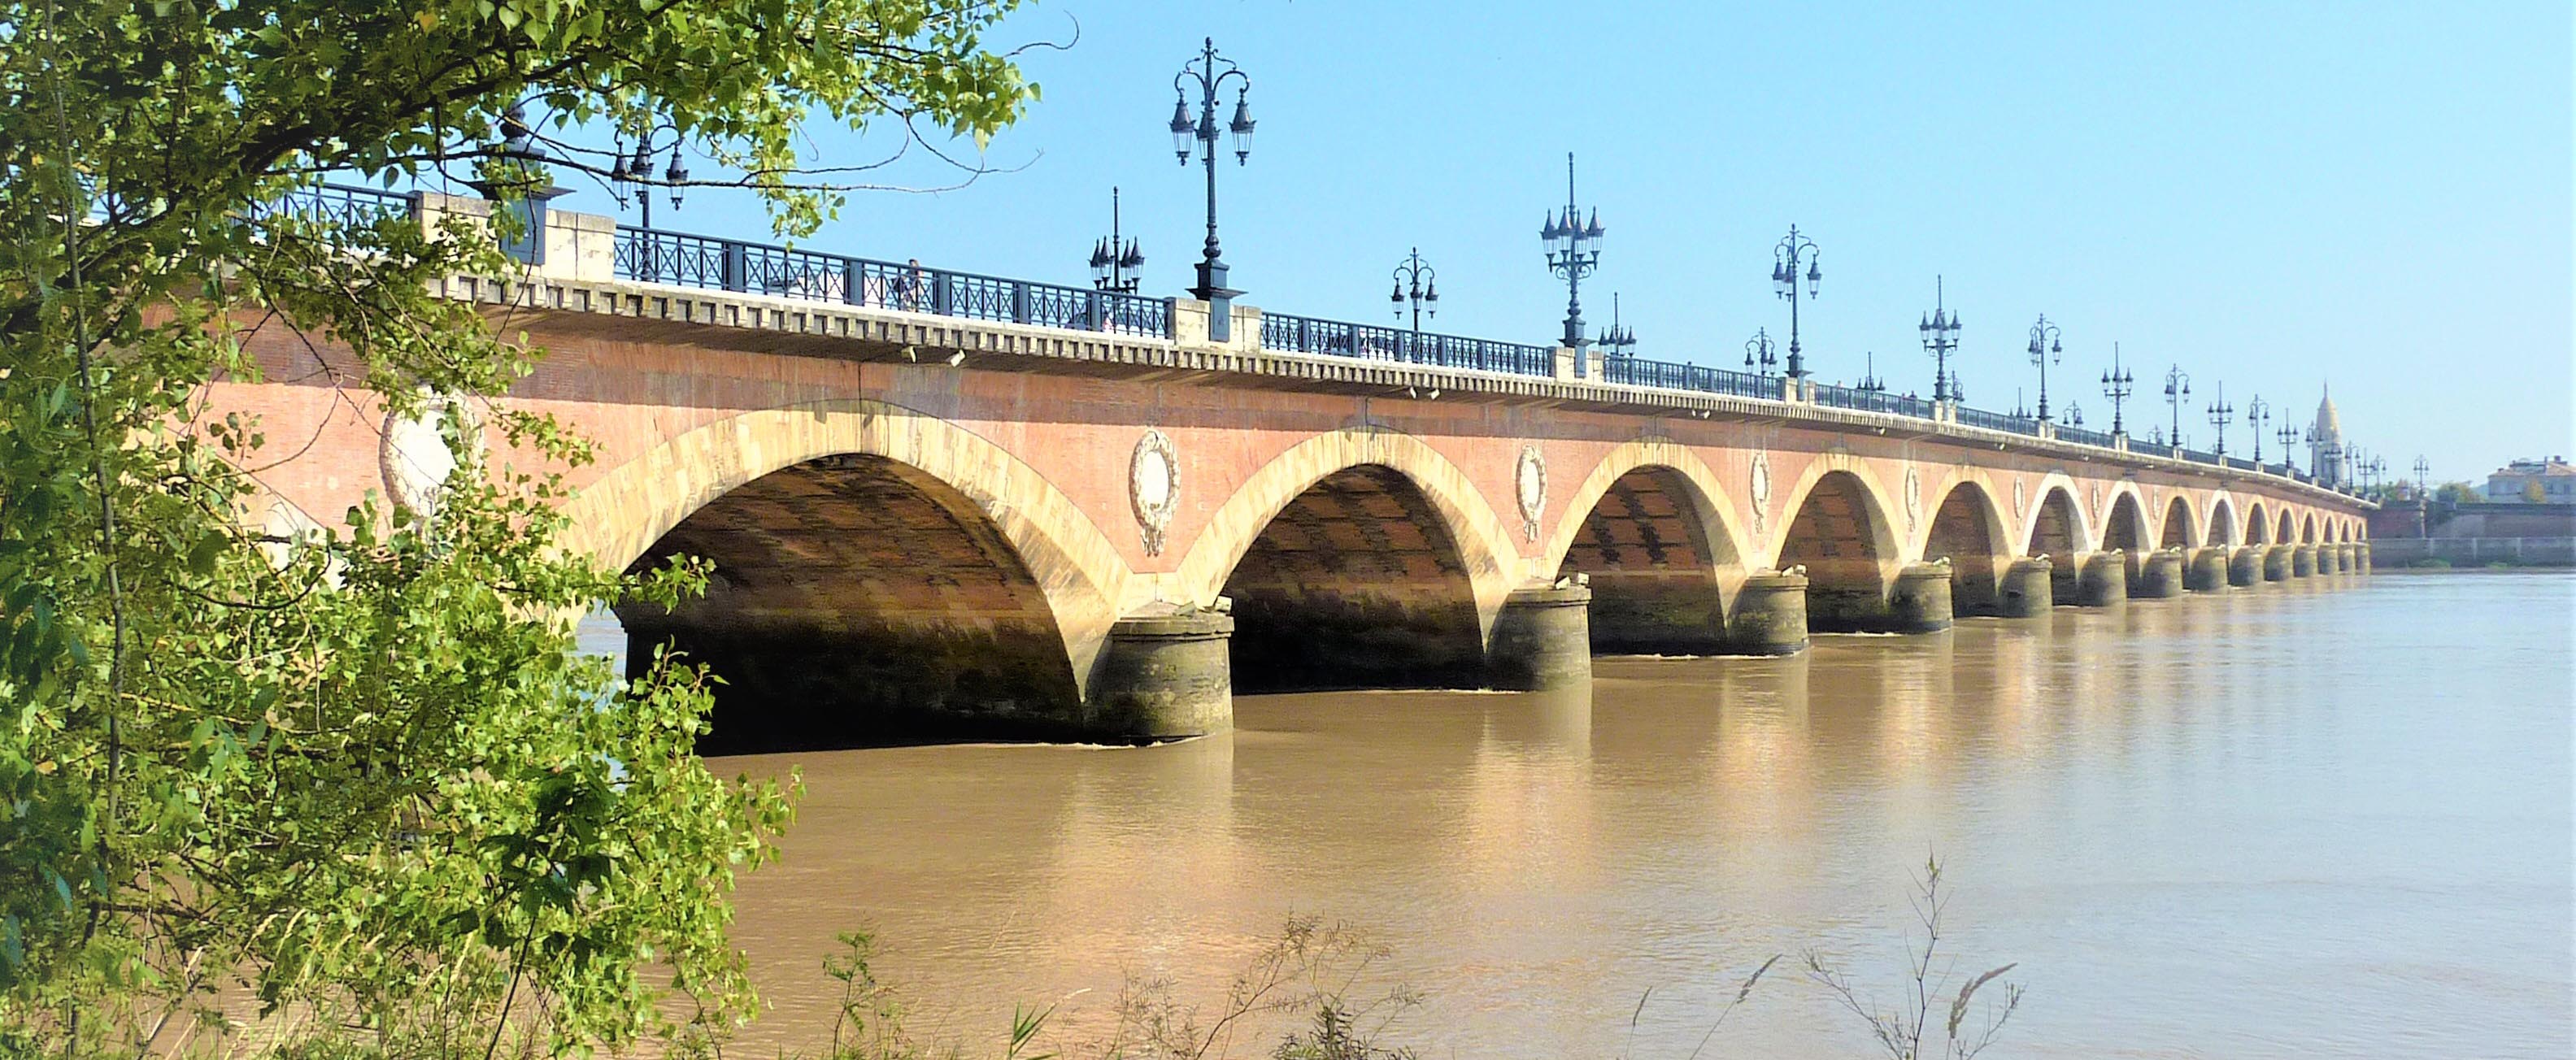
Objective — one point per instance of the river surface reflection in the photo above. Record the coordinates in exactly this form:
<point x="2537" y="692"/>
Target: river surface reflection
<point x="2303" y="821"/>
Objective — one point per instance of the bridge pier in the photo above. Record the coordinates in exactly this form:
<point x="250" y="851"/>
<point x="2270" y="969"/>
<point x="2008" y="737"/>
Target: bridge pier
<point x="1164" y="676"/>
<point x="2303" y="561"/>
<point x="1920" y="602"/>
<point x="2206" y="570"/>
<point x="2029" y="589"/>
<point x="1770" y="615"/>
<point x="2245" y="567"/>
<point x="2102" y="579"/>
<point x="2159" y="577"/>
<point x="2342" y="557"/>
<point x="1542" y="639"/>
<point x="2276" y="562"/>
<point x="2065" y="581"/>
<point x="1660" y="614"/>
<point x="2361" y="556"/>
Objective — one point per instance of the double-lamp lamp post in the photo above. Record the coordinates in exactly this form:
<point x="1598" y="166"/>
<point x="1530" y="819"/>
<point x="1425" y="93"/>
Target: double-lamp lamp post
<point x="1211" y="71"/>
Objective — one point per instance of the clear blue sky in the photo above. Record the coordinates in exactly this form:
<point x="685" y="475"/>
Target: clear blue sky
<point x="2273" y="196"/>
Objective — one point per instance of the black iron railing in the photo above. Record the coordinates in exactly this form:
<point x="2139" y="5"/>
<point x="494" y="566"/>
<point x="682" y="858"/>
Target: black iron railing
<point x="1996" y="421"/>
<point x="2082" y="436"/>
<point x="655" y="256"/>
<point x="1296" y="334"/>
<point x="683" y="259"/>
<point x="1844" y="397"/>
<point x="1632" y="371"/>
<point x="338" y="205"/>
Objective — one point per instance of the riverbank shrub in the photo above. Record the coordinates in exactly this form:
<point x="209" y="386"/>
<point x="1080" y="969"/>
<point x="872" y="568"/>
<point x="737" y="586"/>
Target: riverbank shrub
<point x="351" y="785"/>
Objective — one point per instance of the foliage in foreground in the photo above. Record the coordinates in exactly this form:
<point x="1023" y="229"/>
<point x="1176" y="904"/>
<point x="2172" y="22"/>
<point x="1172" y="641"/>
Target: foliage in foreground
<point x="361" y="778"/>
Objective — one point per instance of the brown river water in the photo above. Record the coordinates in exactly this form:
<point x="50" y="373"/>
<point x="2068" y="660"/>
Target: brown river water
<point x="2327" y="818"/>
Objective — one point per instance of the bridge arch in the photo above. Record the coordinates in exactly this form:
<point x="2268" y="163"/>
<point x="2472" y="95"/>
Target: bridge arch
<point x="1968" y="529"/>
<point x="867" y="555"/>
<point x="1357" y="557"/>
<point x="2055" y="526"/>
<point x="2181" y="526"/>
<point x="2223" y="523"/>
<point x="2258" y="524"/>
<point x="2308" y="529"/>
<point x="1840" y="531"/>
<point x="2125" y="526"/>
<point x="1651" y="528"/>
<point x="2283" y="532"/>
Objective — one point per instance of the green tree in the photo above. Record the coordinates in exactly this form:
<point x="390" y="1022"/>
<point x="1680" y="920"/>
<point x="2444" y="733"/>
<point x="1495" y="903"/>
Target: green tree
<point x="2533" y="494"/>
<point x="2457" y="493"/>
<point x="364" y="776"/>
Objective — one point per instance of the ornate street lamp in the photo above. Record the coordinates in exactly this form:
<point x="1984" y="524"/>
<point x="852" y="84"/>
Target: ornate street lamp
<point x="633" y="173"/>
<point x="1758" y="357"/>
<point x="2220" y="415"/>
<point x="2074" y="414"/>
<point x="1940" y="332"/>
<point x="1869" y="379"/>
<point x="2177" y="387"/>
<point x="1211" y="72"/>
<point x="1116" y="259"/>
<point x="1619" y="341"/>
<point x="2117" y="385"/>
<point x="2020" y="410"/>
<point x="1416" y="282"/>
<point x="2045" y="348"/>
<point x="1574" y="252"/>
<point x="1784" y="282"/>
<point x="2423" y="485"/>
<point x="2289" y="435"/>
<point x="2256" y="415"/>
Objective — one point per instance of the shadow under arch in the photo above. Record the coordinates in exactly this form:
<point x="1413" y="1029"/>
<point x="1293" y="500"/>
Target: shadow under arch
<point x="1649" y="529"/>
<point x="1484" y="544"/>
<point x="2308" y="529"/>
<point x="1840" y="533"/>
<point x="2057" y="531"/>
<point x="1355" y="583"/>
<point x="881" y="575"/>
<point x="1357" y="558"/>
<point x="2258" y="524"/>
<point x="2283" y="530"/>
<point x="1968" y="529"/>
<point x="2222" y="522"/>
<point x="2125" y="528"/>
<point x="2181" y="525"/>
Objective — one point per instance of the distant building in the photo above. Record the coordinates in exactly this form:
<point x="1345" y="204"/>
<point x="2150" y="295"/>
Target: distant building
<point x="2512" y="483"/>
<point x="2326" y="457"/>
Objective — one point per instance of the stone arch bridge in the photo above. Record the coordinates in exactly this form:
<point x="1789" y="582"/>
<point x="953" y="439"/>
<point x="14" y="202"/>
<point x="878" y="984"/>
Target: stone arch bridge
<point x="926" y="523"/>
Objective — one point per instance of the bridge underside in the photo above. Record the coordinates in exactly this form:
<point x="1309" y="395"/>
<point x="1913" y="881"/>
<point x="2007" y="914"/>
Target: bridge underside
<point x="1654" y="572"/>
<point x="1356" y="584"/>
<point x="856" y="601"/>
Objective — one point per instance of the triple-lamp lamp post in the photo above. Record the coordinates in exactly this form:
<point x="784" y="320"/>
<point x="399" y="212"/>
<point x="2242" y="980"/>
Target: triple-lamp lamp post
<point x="1574" y="252"/>
<point x="2220" y="415"/>
<point x="2117" y="385"/>
<point x="1116" y="260"/>
<point x="1940" y="331"/>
